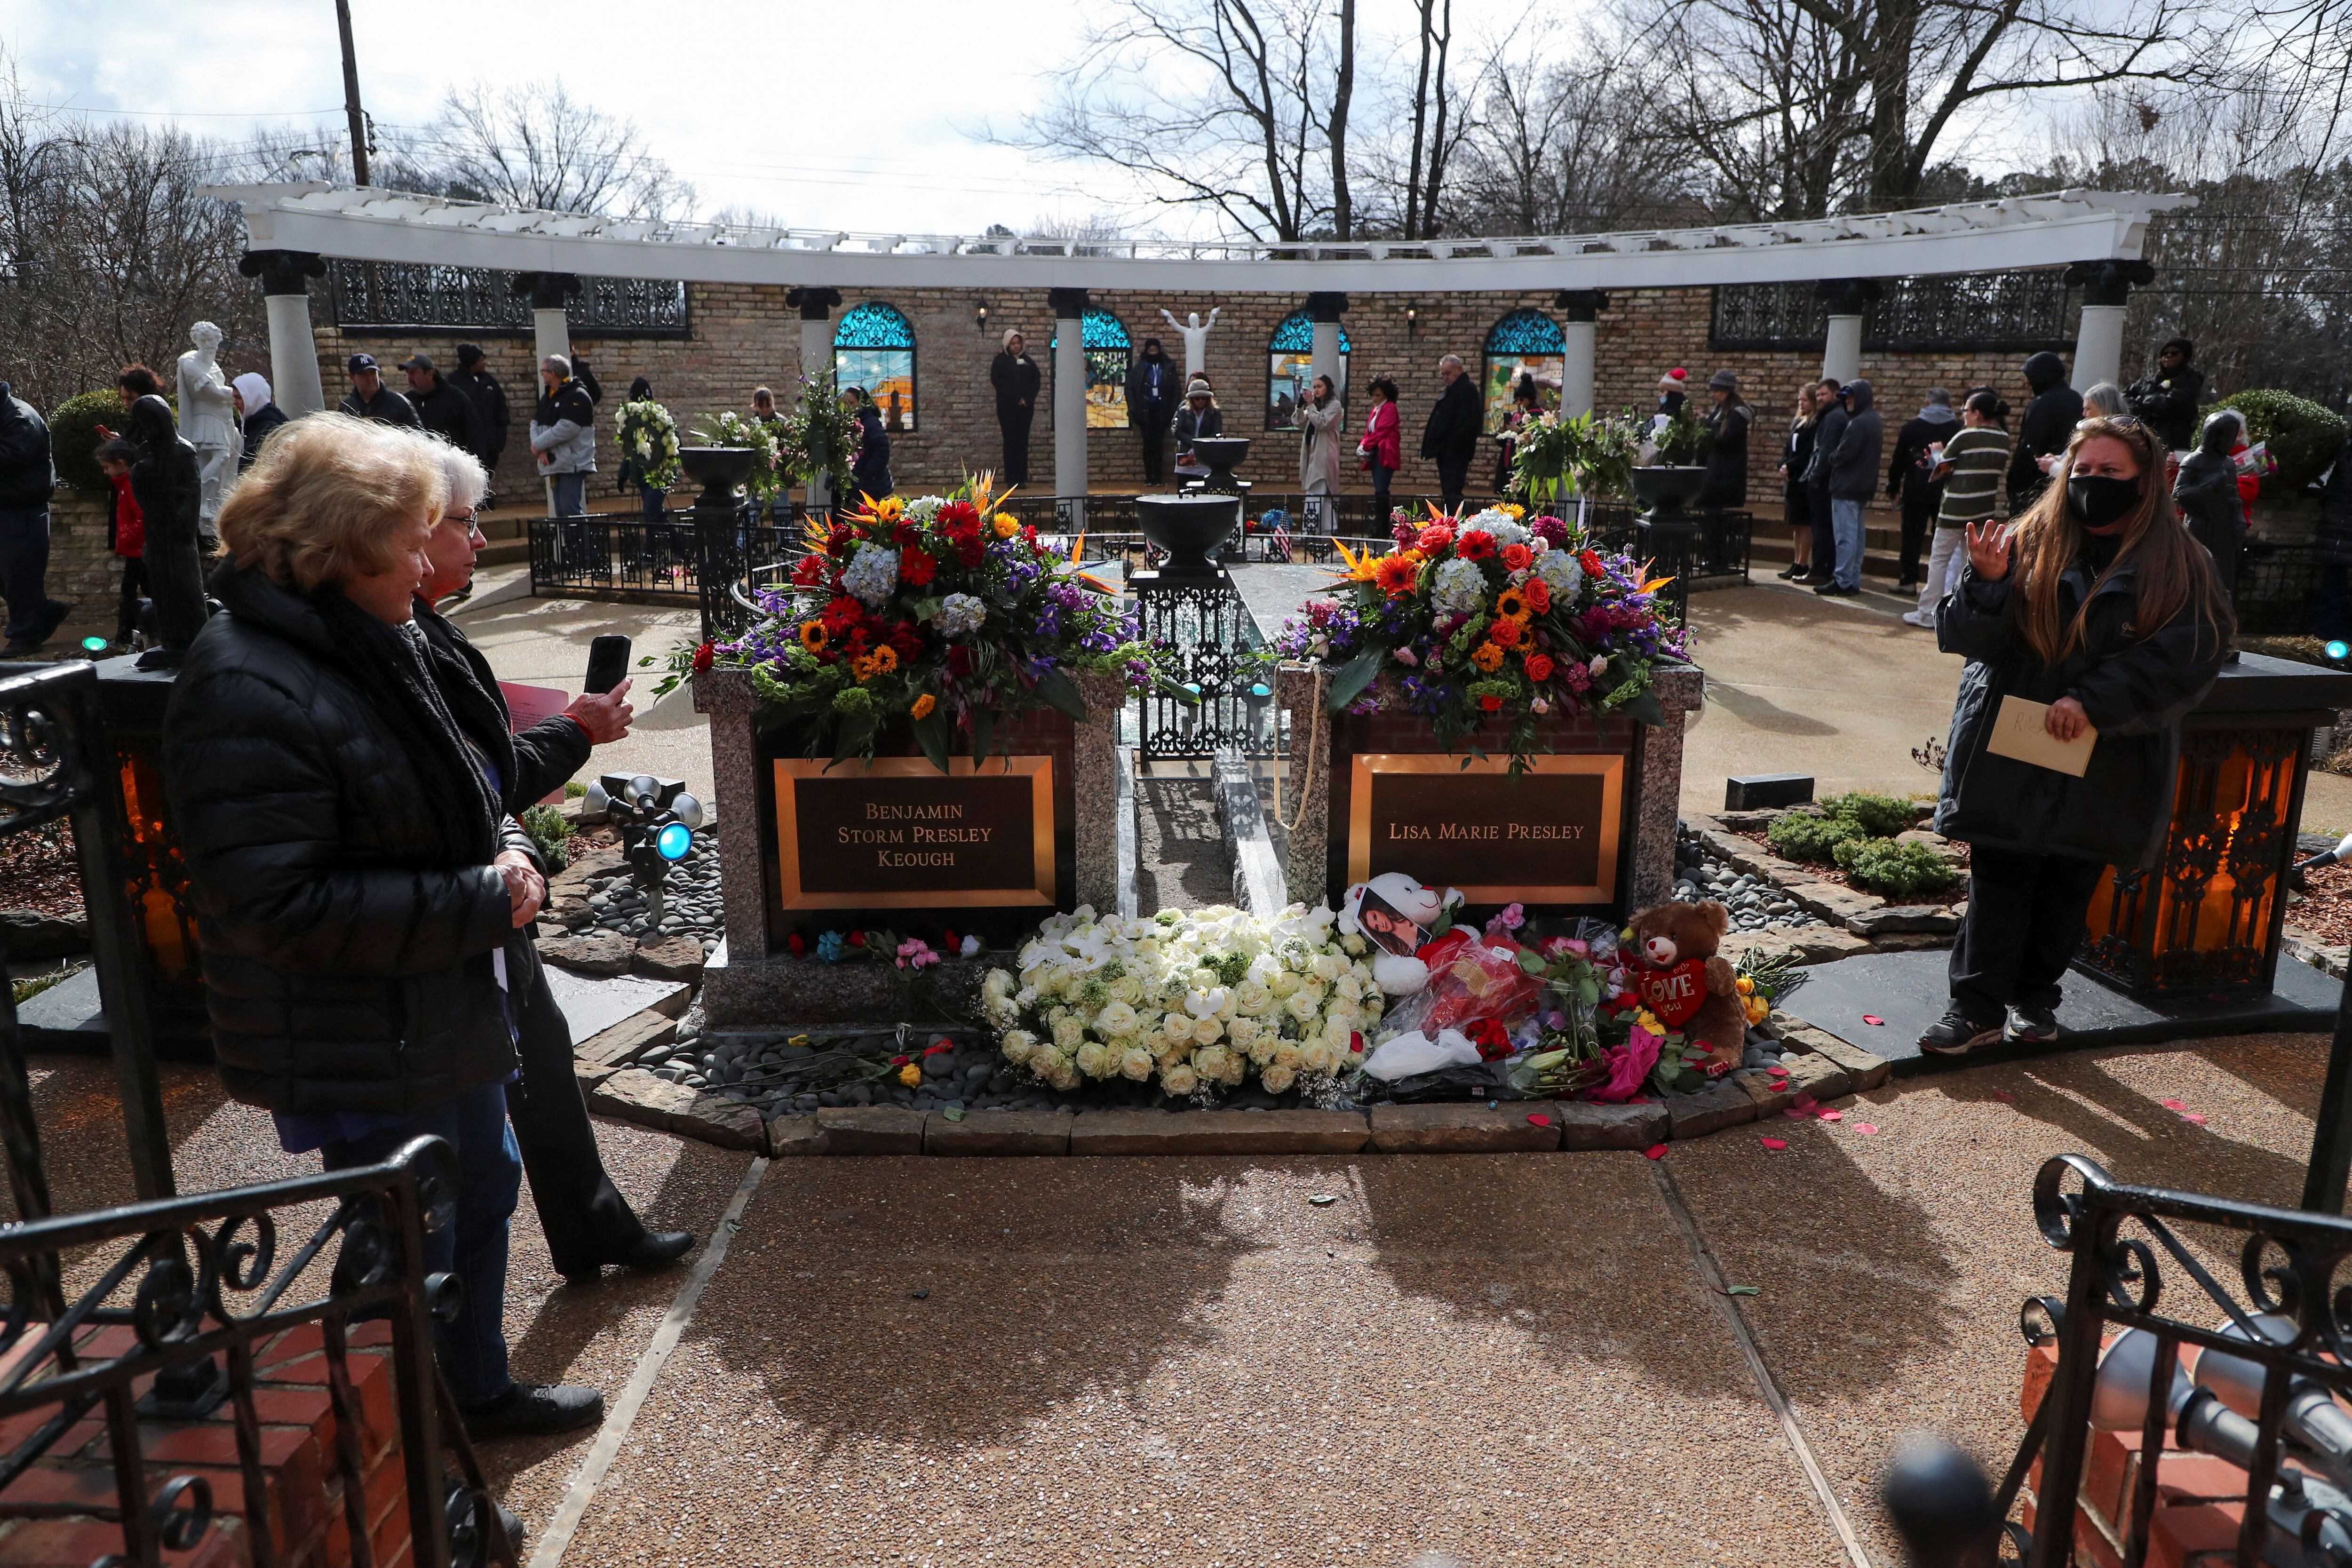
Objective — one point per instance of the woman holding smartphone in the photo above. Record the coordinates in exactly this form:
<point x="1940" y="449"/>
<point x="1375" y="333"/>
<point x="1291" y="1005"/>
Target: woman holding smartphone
<point x="2097" y="604"/>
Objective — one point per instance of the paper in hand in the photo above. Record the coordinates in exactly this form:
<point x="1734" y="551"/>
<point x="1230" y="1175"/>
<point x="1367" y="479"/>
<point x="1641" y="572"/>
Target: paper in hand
<point x="2018" y="732"/>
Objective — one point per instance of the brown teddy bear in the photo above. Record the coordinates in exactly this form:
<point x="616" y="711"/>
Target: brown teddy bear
<point x="1678" y="975"/>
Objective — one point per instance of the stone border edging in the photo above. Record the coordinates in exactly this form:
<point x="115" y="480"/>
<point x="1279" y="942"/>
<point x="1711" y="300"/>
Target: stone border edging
<point x="1820" y="1067"/>
<point x="1865" y="915"/>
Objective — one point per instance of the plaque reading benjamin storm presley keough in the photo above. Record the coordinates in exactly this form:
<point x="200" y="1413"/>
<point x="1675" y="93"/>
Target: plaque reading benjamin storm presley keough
<point x="1548" y="836"/>
<point x="896" y="833"/>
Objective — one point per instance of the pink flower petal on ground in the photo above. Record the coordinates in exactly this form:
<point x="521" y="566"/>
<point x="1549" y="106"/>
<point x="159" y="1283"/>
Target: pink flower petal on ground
<point x="1538" y="1118"/>
<point x="2173" y="1105"/>
<point x="1867" y="1129"/>
<point x="1804" y="1102"/>
<point x="1832" y="1115"/>
<point x="1794" y="1114"/>
<point x="1655" y="1151"/>
<point x="1776" y="1070"/>
<point x="2004" y="1097"/>
<point x="2193" y="1118"/>
<point x="1774" y="1142"/>
<point x="1872" y="1018"/>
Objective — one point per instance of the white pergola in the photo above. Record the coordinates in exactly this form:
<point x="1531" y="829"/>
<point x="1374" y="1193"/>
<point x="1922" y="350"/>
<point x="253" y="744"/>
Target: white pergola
<point x="290" y="225"/>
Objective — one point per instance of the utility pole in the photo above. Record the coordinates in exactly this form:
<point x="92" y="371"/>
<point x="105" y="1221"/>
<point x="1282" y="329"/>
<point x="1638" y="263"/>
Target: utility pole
<point x="351" y="95"/>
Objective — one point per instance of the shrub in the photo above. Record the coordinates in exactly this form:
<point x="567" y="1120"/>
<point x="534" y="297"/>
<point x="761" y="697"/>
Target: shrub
<point x="551" y="832"/>
<point x="1894" y="869"/>
<point x="573" y="789"/>
<point x="1876" y="816"/>
<point x="74" y="437"/>
<point x="1802" y="836"/>
<point x="2303" y="436"/>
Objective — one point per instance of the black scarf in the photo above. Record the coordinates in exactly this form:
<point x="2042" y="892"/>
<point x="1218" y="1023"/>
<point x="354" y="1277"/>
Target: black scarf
<point x="471" y="691"/>
<point x="390" y="670"/>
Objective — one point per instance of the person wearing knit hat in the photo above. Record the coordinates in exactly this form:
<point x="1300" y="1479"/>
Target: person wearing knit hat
<point x="1200" y="417"/>
<point x="1674" y="391"/>
<point x="258" y="412"/>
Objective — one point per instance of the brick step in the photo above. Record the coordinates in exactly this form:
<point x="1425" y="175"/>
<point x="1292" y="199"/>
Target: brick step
<point x="1768" y="556"/>
<point x="503" y="553"/>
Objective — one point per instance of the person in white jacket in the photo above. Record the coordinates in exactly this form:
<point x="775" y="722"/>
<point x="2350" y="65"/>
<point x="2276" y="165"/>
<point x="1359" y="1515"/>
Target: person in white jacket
<point x="564" y="436"/>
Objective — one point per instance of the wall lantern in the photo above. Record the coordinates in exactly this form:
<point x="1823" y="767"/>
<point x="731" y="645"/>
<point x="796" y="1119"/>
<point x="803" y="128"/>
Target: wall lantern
<point x="1411" y="319"/>
<point x="979" y="313"/>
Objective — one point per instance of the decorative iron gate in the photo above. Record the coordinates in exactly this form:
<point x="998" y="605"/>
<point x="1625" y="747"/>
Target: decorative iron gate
<point x="1208" y="629"/>
<point x="202" y="1277"/>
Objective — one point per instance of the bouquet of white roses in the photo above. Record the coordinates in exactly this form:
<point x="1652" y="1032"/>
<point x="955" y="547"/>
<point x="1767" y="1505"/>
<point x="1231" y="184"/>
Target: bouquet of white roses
<point x="648" y="439"/>
<point x="1199" y="1000"/>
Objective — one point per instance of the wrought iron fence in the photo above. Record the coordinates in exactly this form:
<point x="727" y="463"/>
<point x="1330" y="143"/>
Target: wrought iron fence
<point x="201" y="1278"/>
<point x="2263" y="1394"/>
<point x="432" y="299"/>
<point x="677" y="560"/>
<point x="1208" y="632"/>
<point x="2278" y="583"/>
<point x="1990" y="311"/>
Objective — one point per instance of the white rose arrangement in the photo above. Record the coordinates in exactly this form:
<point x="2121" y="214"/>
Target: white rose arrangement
<point x="1202" y="1000"/>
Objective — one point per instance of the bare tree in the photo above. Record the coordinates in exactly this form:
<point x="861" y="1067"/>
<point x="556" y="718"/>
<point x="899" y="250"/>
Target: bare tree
<point x="1431" y="106"/>
<point x="1216" y="103"/>
<point x="535" y="145"/>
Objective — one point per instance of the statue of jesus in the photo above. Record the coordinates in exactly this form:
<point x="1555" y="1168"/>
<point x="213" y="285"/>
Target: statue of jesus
<point x="1195" y="333"/>
<point x="208" y="418"/>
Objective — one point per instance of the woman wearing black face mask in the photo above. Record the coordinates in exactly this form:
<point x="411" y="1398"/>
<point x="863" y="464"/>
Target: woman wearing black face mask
<point x="2098" y="604"/>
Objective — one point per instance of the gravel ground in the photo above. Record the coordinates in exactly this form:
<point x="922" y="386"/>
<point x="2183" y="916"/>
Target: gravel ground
<point x="691" y="903"/>
<point x="1131" y="1361"/>
<point x="1756" y="903"/>
<point x="2325" y="911"/>
<point x="38" y="872"/>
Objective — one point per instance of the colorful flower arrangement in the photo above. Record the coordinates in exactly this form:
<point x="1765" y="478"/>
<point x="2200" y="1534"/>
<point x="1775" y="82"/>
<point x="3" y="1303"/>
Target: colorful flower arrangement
<point x="732" y="429"/>
<point x="1594" y="1040"/>
<point x="944" y="613"/>
<point x="875" y="944"/>
<point x="1200" y="1001"/>
<point x="820" y="436"/>
<point x="649" y="437"/>
<point x="1489" y="619"/>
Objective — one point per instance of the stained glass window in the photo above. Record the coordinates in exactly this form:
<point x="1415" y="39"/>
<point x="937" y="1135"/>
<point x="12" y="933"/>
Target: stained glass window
<point x="1525" y="344"/>
<point x="1108" y="351"/>
<point x="874" y="347"/>
<point x="1290" y="370"/>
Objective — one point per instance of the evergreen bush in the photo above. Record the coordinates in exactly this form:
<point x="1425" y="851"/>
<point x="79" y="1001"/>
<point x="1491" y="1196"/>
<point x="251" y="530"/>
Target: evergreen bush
<point x="2303" y="436"/>
<point x="1894" y="870"/>
<point x="74" y="438"/>
<point x="1802" y="836"/>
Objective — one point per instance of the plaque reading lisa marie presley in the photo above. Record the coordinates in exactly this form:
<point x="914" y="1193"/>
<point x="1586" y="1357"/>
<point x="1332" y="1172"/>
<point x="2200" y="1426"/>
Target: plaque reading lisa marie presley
<point x="897" y="833"/>
<point x="1548" y="836"/>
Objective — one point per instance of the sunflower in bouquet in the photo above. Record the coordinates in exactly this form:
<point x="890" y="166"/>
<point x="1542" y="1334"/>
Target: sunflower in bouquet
<point x="1490" y="619"/>
<point x="945" y="613"/>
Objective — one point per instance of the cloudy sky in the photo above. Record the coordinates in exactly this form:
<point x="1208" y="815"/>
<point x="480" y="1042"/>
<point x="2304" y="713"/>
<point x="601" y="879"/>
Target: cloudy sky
<point x="850" y="116"/>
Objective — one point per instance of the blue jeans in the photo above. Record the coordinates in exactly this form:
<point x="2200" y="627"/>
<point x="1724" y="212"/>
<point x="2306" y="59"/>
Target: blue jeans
<point x="1845" y="518"/>
<point x="653" y="504"/>
<point x="24" y="566"/>
<point x="472" y="1350"/>
<point x="571" y="494"/>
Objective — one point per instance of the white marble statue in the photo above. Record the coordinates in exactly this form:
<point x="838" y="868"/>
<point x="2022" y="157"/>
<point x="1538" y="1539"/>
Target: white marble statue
<point x="1195" y="333"/>
<point x="208" y="418"/>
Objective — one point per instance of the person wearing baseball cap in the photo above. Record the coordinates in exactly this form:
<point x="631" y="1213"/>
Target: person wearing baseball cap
<point x="441" y="408"/>
<point x="371" y="399"/>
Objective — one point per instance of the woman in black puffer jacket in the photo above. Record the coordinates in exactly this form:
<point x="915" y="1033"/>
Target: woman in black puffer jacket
<point x="357" y="884"/>
<point x="2099" y="606"/>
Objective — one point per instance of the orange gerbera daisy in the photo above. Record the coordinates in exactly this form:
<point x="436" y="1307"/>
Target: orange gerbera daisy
<point x="923" y="706"/>
<point x="1486" y="657"/>
<point x="1395" y="574"/>
<point x="885" y="659"/>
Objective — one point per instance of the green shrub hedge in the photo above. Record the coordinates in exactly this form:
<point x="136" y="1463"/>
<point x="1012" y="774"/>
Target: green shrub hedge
<point x="74" y="437"/>
<point x="1803" y="837"/>
<point x="2303" y="436"/>
<point x="1894" y="870"/>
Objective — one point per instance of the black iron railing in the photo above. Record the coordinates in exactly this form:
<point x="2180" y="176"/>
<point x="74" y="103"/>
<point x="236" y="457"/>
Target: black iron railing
<point x="204" y="1276"/>
<point x="2277" y="1351"/>
<point x="2278" y="585"/>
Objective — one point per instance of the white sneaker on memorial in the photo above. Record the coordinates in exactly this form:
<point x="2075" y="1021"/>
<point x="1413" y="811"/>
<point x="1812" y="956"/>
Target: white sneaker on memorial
<point x="1913" y="617"/>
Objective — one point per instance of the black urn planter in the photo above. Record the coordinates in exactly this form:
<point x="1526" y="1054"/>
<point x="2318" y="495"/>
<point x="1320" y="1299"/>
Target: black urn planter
<point x="1666" y="491"/>
<point x="1223" y="454"/>
<point x="720" y="470"/>
<point x="1188" y="527"/>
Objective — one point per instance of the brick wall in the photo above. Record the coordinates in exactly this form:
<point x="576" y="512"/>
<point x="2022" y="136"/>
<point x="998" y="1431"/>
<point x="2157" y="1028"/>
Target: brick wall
<point x="82" y="570"/>
<point x="303" y="1505"/>
<point x="745" y="336"/>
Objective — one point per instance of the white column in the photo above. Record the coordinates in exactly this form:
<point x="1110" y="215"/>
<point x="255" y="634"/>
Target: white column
<point x="2099" y="346"/>
<point x="1579" y="310"/>
<point x="294" y="384"/>
<point x="1841" y="354"/>
<point x="1327" y="351"/>
<point x="550" y="332"/>
<point x="1070" y="398"/>
<point x="815" y="305"/>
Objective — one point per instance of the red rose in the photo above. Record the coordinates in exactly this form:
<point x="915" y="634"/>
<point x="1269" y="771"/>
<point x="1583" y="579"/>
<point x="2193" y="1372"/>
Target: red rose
<point x="1476" y="545"/>
<point x="838" y="539"/>
<point x="798" y="945"/>
<point x="935" y="1050"/>
<point x="1538" y="594"/>
<point x="1494" y="1041"/>
<point x="959" y="660"/>
<point x="1356" y="1043"/>
<point x="916" y="568"/>
<point x="1029" y="531"/>
<point x="905" y="641"/>
<point x="1435" y="538"/>
<point x="905" y="535"/>
<point x="899" y="1061"/>
<point x="1504" y="633"/>
<point x="947" y="940"/>
<point x="1515" y="557"/>
<point x="702" y="659"/>
<point x="858" y="939"/>
<point x="971" y="552"/>
<point x="1490" y="702"/>
<point x="1539" y="667"/>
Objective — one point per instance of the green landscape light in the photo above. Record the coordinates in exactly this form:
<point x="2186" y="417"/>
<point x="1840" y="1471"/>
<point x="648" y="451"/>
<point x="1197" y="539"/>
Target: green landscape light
<point x="2340" y="650"/>
<point x="98" y="645"/>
